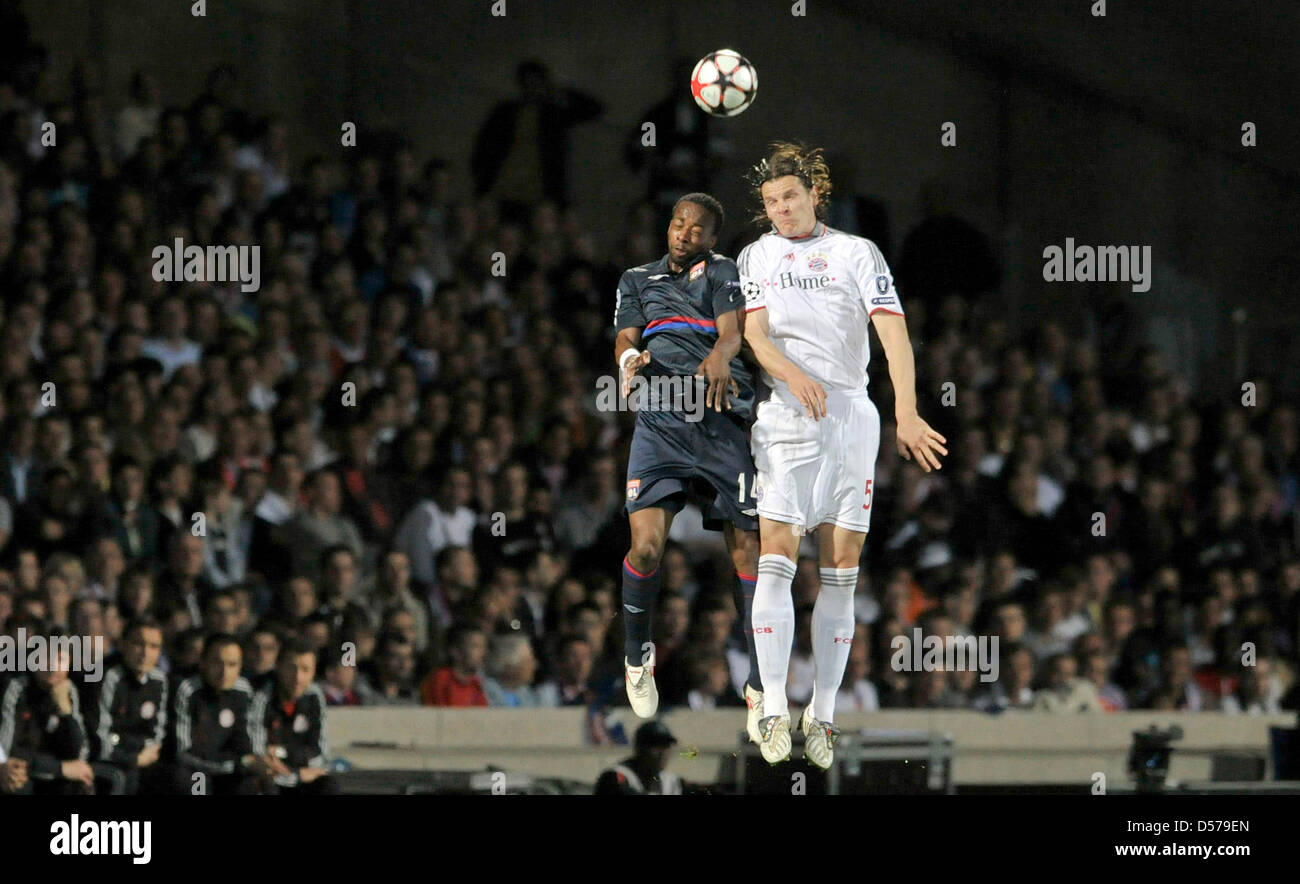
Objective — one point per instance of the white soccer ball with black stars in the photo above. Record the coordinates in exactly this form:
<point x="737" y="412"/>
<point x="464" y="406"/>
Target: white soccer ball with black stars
<point x="724" y="83"/>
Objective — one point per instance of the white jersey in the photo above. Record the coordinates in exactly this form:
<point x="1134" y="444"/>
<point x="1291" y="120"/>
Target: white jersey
<point x="820" y="291"/>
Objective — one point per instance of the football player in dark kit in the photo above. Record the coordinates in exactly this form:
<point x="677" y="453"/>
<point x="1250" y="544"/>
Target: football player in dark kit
<point x="128" y="718"/>
<point x="691" y="437"/>
<point x="210" y="732"/>
<point x="287" y="724"/>
<point x="41" y="725"/>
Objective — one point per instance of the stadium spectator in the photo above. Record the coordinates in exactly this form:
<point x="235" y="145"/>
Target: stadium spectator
<point x="857" y="692"/>
<point x="319" y="525"/>
<point x="1258" y="692"/>
<point x="1096" y="670"/>
<point x="211" y="750"/>
<point x="710" y="682"/>
<point x="391" y="681"/>
<point x="459" y="683"/>
<point x="287" y="725"/>
<point x="339" y="577"/>
<point x="1013" y="689"/>
<point x="392" y="589"/>
<point x="339" y="683"/>
<point x="568" y="686"/>
<point x="458" y="576"/>
<point x="41" y="726"/>
<point x="128" y="714"/>
<point x="181" y="587"/>
<point x="521" y="151"/>
<point x="1064" y="690"/>
<point x="511" y="666"/>
<point x="443" y="520"/>
<point x="261" y="651"/>
<point x="1176" y="686"/>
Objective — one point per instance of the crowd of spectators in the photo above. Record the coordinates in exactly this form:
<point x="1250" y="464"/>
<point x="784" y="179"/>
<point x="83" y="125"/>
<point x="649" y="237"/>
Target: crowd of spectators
<point x="399" y="462"/>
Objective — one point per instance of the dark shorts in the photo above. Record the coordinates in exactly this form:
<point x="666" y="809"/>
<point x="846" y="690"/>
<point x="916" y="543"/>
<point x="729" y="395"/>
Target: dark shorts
<point x="674" y="460"/>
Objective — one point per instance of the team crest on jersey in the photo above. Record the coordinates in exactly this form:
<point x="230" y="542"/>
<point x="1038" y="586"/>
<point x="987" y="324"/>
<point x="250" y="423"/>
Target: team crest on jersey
<point x="696" y="272"/>
<point x="633" y="488"/>
<point x="882" y="284"/>
<point x="817" y="262"/>
<point x="148" y="709"/>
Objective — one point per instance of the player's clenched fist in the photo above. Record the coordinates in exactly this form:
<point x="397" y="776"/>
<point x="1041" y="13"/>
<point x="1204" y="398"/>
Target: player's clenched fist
<point x="917" y="439"/>
<point x="810" y="393"/>
<point x="631" y="362"/>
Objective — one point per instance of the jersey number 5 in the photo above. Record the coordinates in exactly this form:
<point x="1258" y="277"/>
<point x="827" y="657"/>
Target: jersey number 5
<point x="867" y="505"/>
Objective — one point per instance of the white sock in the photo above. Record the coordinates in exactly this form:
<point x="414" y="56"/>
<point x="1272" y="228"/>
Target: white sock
<point x="773" y="623"/>
<point x="832" y="636"/>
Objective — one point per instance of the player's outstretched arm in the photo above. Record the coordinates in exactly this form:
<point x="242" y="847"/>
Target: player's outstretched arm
<point x="916" y="438"/>
<point x="775" y="363"/>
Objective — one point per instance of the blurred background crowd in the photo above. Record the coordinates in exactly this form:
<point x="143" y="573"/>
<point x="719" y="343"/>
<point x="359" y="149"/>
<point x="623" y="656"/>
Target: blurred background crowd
<point x="397" y="453"/>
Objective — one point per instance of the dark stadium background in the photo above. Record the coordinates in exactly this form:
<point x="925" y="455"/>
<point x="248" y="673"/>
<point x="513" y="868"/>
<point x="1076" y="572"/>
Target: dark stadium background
<point x="1116" y="130"/>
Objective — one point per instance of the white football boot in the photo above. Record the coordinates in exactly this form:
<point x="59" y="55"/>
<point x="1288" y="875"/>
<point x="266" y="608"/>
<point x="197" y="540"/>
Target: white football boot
<point x="641" y="690"/>
<point x="754" y="700"/>
<point x="819" y="739"/>
<point x="776" y="743"/>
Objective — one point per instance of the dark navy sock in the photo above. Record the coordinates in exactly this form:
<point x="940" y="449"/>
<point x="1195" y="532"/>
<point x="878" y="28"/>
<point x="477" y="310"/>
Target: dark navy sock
<point x="744" y="597"/>
<point x="639" y="594"/>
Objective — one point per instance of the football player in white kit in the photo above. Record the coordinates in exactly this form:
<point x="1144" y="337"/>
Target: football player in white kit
<point x="811" y="293"/>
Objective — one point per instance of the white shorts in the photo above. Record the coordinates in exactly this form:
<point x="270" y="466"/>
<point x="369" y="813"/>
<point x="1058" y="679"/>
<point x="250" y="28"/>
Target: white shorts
<point x="812" y="472"/>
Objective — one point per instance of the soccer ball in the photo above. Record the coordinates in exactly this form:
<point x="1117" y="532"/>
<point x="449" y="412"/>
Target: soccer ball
<point x="724" y="83"/>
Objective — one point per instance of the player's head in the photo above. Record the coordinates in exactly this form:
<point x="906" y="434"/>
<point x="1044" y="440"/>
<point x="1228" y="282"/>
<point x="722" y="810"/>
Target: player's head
<point x="222" y="659"/>
<point x="295" y="668"/>
<point x="142" y="645"/>
<point x="697" y="220"/>
<point x="793" y="186"/>
<point x="653" y="742"/>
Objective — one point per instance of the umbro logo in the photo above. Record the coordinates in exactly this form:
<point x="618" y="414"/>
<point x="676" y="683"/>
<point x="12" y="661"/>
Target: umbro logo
<point x="658" y="276"/>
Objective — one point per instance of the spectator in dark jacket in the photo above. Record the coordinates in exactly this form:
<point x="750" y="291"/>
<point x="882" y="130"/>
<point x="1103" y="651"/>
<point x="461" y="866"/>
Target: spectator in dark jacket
<point x="211" y="749"/>
<point x="128" y="717"/>
<point x="288" y="726"/>
<point x="41" y="725"/>
<point x="521" y="152"/>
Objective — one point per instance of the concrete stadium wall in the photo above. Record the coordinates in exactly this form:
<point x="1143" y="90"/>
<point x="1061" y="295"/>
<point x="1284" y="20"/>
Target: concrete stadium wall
<point x="1018" y="747"/>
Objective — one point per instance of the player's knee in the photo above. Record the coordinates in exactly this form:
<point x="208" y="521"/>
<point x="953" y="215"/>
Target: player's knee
<point x="745" y="557"/>
<point x="645" y="553"/>
<point x="781" y="545"/>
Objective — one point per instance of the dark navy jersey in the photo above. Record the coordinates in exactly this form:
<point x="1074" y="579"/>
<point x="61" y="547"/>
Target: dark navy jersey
<point x="35" y="729"/>
<point x="294" y="730"/>
<point x="128" y="712"/>
<point x="210" y="727"/>
<point x="677" y="314"/>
